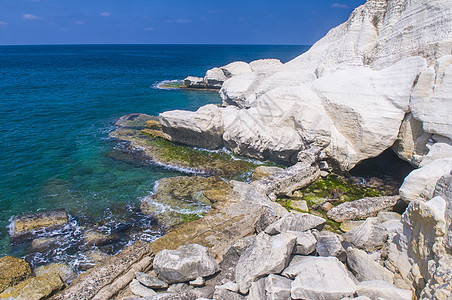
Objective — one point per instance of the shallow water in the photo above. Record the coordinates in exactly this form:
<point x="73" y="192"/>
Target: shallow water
<point x="58" y="105"/>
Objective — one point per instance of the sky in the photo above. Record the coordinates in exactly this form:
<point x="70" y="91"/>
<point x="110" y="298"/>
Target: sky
<point x="269" y="22"/>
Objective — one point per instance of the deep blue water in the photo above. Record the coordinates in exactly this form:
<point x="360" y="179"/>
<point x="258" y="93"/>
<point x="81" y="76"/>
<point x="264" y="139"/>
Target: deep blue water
<point x="58" y="104"/>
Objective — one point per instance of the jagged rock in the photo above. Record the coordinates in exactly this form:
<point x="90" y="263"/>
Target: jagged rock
<point x="322" y="278"/>
<point x="49" y="220"/>
<point x="269" y="254"/>
<point x="198" y="282"/>
<point x="293" y="178"/>
<point x="362" y="209"/>
<point x="194" y="82"/>
<point x="295" y="222"/>
<point x="43" y="244"/>
<point x="305" y="244"/>
<point x="378" y="289"/>
<point x="230" y="286"/>
<point x="184" y="264"/>
<point x="329" y="244"/>
<point x="203" y="128"/>
<point x="98" y="238"/>
<point x="264" y="171"/>
<point x="257" y="290"/>
<point x="13" y="271"/>
<point x="371" y="235"/>
<point x="179" y="288"/>
<point x="421" y="182"/>
<point x="36" y="288"/>
<point x="365" y="268"/>
<point x="64" y="271"/>
<point x="150" y="281"/>
<point x="140" y="290"/>
<point x="277" y="287"/>
<point x="214" y="78"/>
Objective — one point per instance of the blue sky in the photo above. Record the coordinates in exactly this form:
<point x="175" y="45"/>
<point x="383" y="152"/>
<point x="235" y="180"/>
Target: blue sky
<point x="169" y="22"/>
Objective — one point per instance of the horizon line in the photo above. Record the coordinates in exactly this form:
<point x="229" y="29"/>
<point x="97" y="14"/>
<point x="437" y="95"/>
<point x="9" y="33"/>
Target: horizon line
<point x="150" y="44"/>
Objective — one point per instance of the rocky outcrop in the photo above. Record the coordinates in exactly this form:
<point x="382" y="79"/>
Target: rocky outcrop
<point x="48" y="220"/>
<point x="39" y="288"/>
<point x="295" y="222"/>
<point x="382" y="78"/>
<point x="13" y="270"/>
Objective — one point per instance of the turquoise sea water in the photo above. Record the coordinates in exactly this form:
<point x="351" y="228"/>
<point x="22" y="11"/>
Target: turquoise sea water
<point x="58" y="104"/>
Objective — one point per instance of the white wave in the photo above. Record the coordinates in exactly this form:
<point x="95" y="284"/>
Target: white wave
<point x="161" y="85"/>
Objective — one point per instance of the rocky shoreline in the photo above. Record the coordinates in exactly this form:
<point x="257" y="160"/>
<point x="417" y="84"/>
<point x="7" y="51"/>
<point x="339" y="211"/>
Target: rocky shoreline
<point x="382" y="80"/>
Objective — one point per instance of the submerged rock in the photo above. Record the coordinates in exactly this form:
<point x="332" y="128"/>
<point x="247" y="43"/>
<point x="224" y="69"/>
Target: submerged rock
<point x="12" y="271"/>
<point x="264" y="171"/>
<point x="48" y="220"/>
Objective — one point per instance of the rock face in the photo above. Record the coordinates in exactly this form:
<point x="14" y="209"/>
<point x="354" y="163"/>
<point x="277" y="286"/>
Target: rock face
<point x="377" y="289"/>
<point x="26" y="224"/>
<point x="322" y="278"/>
<point x="184" y="264"/>
<point x="38" y="288"/>
<point x="382" y="77"/>
<point x="13" y="270"/>
<point x="269" y="254"/>
<point x="362" y="208"/>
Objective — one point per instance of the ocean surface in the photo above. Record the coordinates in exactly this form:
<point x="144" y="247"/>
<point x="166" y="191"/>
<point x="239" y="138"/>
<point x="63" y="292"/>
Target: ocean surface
<point x="58" y="104"/>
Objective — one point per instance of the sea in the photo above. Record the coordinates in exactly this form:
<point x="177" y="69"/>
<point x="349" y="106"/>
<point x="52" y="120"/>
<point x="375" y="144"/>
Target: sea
<point x="58" y="103"/>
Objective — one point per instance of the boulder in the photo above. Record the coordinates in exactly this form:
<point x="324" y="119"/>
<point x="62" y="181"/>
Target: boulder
<point x="64" y="271"/>
<point x="300" y="205"/>
<point x="295" y="222"/>
<point x="203" y="128"/>
<point x="365" y="268"/>
<point x="236" y="68"/>
<point x="277" y="287"/>
<point x="288" y="180"/>
<point x="150" y="281"/>
<point x="378" y="289"/>
<point x="223" y="294"/>
<point x="349" y="225"/>
<point x="198" y="282"/>
<point x="305" y="244"/>
<point x="194" y="82"/>
<point x="13" y="271"/>
<point x="421" y="182"/>
<point x="214" y="78"/>
<point x="371" y="235"/>
<point x="329" y="244"/>
<point x="36" y="288"/>
<point x="268" y="255"/>
<point x="322" y="278"/>
<point x="48" y="220"/>
<point x="140" y="290"/>
<point x="184" y="264"/>
<point x="98" y="238"/>
<point x="257" y="290"/>
<point x="179" y="288"/>
<point x="363" y="208"/>
<point x="264" y="171"/>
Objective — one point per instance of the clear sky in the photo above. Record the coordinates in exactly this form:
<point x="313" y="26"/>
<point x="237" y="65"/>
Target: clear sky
<point x="297" y="22"/>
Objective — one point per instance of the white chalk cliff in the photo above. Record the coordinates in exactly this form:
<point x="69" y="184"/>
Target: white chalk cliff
<point x="382" y="79"/>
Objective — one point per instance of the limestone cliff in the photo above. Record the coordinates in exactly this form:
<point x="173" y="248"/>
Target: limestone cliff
<point x="382" y="79"/>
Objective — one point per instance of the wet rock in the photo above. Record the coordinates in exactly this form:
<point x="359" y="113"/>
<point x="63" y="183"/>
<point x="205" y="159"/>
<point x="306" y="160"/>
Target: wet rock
<point x="36" y="288"/>
<point x="371" y="235"/>
<point x="277" y="287"/>
<point x="194" y="82"/>
<point x="264" y="171"/>
<point x="305" y="244"/>
<point x="64" y="271"/>
<point x="288" y="180"/>
<point x="378" y="289"/>
<point x="98" y="238"/>
<point x="150" y="281"/>
<point x="295" y="222"/>
<point x="140" y="290"/>
<point x="364" y="267"/>
<point x="12" y="271"/>
<point x="184" y="264"/>
<point x="330" y="279"/>
<point x="48" y="220"/>
<point x="43" y="244"/>
<point x="362" y="208"/>
<point x="329" y="244"/>
<point x="269" y="254"/>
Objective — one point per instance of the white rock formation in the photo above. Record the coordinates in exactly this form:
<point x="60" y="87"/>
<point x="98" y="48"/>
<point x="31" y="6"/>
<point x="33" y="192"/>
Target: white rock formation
<point x="382" y="77"/>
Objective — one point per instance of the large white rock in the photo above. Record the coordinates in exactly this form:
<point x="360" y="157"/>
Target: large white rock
<point x="268" y="255"/>
<point x="364" y="267"/>
<point x="322" y="278"/>
<point x="421" y="182"/>
<point x="184" y="264"/>
<point x="236" y="68"/>
<point x="369" y="236"/>
<point x="295" y="222"/>
<point x="277" y="287"/>
<point x="214" y="78"/>
<point x="378" y="289"/>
